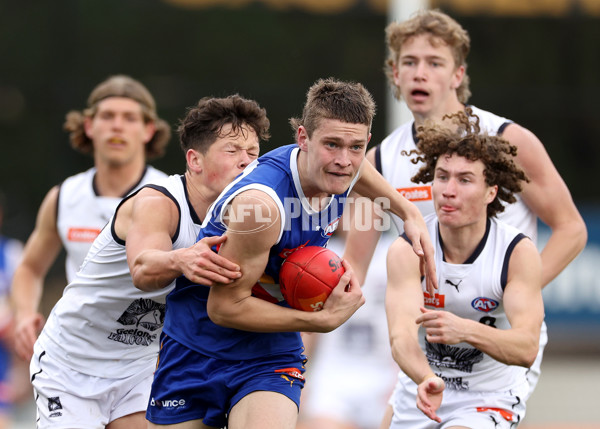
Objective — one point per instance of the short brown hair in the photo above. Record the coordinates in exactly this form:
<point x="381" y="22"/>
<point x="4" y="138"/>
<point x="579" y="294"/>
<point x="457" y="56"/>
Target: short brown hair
<point x="203" y="123"/>
<point x="118" y="86"/>
<point x="496" y="154"/>
<point x="439" y="26"/>
<point x="334" y="99"/>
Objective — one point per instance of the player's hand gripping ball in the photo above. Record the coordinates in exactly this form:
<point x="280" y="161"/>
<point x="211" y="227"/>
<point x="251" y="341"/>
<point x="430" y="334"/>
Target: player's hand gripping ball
<point x="308" y="276"/>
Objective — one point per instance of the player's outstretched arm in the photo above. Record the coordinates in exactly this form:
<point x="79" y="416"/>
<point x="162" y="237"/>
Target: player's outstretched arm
<point x="147" y="222"/>
<point x="39" y="254"/>
<point x="373" y="185"/>
<point x="249" y="239"/>
<point x="363" y="233"/>
<point x="523" y="306"/>
<point x="568" y="231"/>
<point x="404" y="297"/>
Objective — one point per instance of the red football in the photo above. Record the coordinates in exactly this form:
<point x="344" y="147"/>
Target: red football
<point x="308" y="276"/>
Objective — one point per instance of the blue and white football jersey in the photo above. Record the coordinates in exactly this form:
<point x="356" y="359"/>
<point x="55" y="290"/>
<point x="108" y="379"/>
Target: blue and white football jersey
<point x="276" y="174"/>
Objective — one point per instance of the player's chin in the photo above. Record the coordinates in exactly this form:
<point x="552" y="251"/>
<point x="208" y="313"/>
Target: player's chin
<point x="338" y="184"/>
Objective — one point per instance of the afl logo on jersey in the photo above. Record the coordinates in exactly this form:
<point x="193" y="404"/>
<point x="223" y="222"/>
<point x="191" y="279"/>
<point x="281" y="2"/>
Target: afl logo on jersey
<point x="330" y="229"/>
<point x="484" y="304"/>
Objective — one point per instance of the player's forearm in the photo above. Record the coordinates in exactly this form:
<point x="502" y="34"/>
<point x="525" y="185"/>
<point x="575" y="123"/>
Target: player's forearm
<point x="509" y="346"/>
<point x="373" y="185"/>
<point x="256" y="315"/>
<point x="564" y="244"/>
<point x="409" y="356"/>
<point x="26" y="291"/>
<point x="155" y="269"/>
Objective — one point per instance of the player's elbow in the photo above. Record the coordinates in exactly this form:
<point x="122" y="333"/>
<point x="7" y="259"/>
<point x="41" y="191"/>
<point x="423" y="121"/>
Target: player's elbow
<point x="528" y="353"/>
<point x="575" y="231"/>
<point x="528" y="357"/>
<point x="144" y="280"/>
<point x="581" y="235"/>
<point x="219" y="313"/>
<point x="531" y="359"/>
<point x="140" y="279"/>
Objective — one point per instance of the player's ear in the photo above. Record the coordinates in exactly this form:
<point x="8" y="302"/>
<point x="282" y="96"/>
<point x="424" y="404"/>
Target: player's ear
<point x="150" y="129"/>
<point x="458" y="77"/>
<point x="492" y="192"/>
<point x="195" y="161"/>
<point x="302" y="138"/>
<point x="87" y="126"/>
<point x="396" y="75"/>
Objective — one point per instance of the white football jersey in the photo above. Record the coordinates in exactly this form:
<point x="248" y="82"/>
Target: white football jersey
<point x="398" y="170"/>
<point x="473" y="290"/>
<point x="103" y="325"/>
<point x="82" y="213"/>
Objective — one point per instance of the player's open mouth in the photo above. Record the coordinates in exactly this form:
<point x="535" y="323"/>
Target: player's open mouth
<point x="419" y="93"/>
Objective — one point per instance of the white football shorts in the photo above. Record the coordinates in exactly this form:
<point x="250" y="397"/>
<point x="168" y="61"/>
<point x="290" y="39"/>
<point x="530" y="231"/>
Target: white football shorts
<point x="69" y="399"/>
<point x="476" y="410"/>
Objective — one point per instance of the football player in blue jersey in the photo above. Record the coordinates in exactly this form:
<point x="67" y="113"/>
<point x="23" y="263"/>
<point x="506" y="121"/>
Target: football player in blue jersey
<point x="232" y="354"/>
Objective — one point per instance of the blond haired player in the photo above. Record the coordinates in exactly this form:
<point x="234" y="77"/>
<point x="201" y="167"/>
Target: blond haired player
<point x="94" y="360"/>
<point x="121" y="130"/>
<point x="426" y="67"/>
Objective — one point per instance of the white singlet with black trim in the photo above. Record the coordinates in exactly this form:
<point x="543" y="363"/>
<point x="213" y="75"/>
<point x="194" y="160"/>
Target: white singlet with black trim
<point x="82" y="213"/>
<point x="103" y="325"/>
<point x="473" y="290"/>
<point x="398" y="170"/>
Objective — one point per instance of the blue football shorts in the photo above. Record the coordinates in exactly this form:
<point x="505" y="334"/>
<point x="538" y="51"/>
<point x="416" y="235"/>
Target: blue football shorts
<point x="191" y="386"/>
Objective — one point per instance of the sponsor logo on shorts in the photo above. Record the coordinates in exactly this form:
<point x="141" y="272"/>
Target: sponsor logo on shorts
<point x="145" y="316"/>
<point x="289" y="374"/>
<point x="167" y="403"/>
<point x="54" y="405"/>
<point x="484" y="304"/>
<point x="83" y="235"/>
<point x="509" y="416"/>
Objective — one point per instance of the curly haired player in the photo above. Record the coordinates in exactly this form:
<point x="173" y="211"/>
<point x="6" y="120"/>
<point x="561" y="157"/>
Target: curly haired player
<point x="462" y="350"/>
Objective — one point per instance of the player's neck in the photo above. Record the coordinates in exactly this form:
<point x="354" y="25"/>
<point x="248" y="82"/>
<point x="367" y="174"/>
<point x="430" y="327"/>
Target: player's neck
<point x="116" y="180"/>
<point x="436" y="115"/>
<point x="200" y="196"/>
<point x="315" y="197"/>
<point x="458" y="244"/>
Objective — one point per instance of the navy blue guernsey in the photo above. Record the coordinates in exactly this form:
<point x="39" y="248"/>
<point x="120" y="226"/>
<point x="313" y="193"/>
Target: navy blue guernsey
<point x="276" y="174"/>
